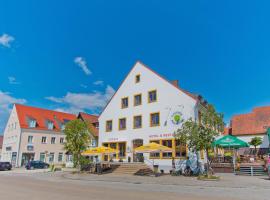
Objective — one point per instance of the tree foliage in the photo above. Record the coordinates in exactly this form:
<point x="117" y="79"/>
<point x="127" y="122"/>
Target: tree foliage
<point x="256" y="141"/>
<point x="77" y="139"/>
<point x="200" y="135"/>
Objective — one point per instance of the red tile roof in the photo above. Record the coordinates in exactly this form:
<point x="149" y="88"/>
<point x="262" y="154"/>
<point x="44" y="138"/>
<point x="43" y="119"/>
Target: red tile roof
<point x="251" y="123"/>
<point x="93" y="119"/>
<point x="88" y="117"/>
<point x="41" y="116"/>
<point x="1" y="141"/>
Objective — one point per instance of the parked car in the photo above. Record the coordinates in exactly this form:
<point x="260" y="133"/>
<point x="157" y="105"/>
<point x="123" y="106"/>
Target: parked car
<point x="5" y="166"/>
<point x="37" y="165"/>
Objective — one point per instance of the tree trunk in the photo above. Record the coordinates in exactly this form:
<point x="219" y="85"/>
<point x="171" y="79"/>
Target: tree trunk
<point x="255" y="150"/>
<point x="209" y="174"/>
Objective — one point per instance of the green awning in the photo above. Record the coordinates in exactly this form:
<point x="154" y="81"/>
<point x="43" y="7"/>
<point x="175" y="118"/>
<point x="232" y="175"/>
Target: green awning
<point x="230" y="141"/>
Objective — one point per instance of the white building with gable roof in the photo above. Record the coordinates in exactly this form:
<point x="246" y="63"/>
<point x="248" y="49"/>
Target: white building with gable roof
<point x="146" y="108"/>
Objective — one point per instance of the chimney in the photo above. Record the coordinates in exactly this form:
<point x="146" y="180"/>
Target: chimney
<point x="175" y="83"/>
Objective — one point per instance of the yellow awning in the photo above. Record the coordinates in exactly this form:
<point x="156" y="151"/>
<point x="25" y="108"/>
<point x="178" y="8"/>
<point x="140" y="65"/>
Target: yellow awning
<point x="99" y="150"/>
<point x="152" y="147"/>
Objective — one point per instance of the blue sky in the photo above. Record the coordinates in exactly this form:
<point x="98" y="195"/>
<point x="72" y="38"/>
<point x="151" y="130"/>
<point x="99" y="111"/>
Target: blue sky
<point x="72" y="55"/>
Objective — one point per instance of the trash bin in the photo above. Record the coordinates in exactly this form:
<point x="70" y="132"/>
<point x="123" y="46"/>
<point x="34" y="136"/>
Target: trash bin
<point x="155" y="167"/>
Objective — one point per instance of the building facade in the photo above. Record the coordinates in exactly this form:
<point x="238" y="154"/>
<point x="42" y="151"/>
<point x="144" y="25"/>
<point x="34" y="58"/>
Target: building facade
<point x="34" y="133"/>
<point x="250" y="125"/>
<point x="146" y="108"/>
<point x="92" y="122"/>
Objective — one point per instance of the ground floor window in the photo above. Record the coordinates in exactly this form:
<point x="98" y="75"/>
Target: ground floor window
<point x="51" y="157"/>
<point x="179" y="150"/>
<point x="167" y="143"/>
<point x="42" y="157"/>
<point x="120" y="146"/>
<point x="60" y="157"/>
<point x="155" y="155"/>
<point x="122" y="149"/>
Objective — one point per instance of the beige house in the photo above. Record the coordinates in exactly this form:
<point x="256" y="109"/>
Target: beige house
<point x="34" y="133"/>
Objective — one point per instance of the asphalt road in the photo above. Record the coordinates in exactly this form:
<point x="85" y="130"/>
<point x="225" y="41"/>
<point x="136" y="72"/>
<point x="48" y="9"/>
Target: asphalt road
<point x="50" y="186"/>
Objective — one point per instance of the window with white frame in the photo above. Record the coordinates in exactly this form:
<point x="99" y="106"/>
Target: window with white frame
<point x="53" y="140"/>
<point x="50" y="125"/>
<point x="42" y="157"/>
<point x="30" y="139"/>
<point x="44" y="140"/>
<point x="32" y="123"/>
<point x="51" y="157"/>
<point x="60" y="157"/>
<point x="61" y="140"/>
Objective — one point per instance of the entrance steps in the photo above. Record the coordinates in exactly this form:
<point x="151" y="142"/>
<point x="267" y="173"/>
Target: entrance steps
<point x="140" y="169"/>
<point x="251" y="170"/>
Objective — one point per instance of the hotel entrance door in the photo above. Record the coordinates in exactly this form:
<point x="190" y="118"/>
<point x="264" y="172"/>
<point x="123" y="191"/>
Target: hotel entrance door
<point x="137" y="157"/>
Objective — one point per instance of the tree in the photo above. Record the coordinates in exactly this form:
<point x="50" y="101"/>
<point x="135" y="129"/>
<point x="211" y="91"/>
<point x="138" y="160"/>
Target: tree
<point x="200" y="135"/>
<point x="256" y="141"/>
<point x="77" y="139"/>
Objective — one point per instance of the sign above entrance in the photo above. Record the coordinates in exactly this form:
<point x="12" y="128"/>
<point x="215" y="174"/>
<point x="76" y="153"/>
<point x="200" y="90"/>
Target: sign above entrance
<point x="163" y="135"/>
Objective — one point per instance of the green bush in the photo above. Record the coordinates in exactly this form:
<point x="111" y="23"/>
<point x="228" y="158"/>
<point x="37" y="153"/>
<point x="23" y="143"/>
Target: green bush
<point x="228" y="154"/>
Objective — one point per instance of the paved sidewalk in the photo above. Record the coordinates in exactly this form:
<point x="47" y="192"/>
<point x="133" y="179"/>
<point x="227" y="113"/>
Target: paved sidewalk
<point x="226" y="181"/>
<point x="117" y="187"/>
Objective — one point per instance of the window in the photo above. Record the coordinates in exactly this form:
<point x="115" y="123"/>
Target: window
<point x="30" y="148"/>
<point x="93" y="143"/>
<point x="154" y="119"/>
<point x="51" y="157"/>
<point x="180" y="149"/>
<point x="156" y="154"/>
<point x="152" y="96"/>
<point x="167" y="143"/>
<point x="50" y="125"/>
<point x="60" y="157"/>
<point x="63" y="127"/>
<point x="122" y="149"/>
<point x="42" y="157"/>
<point x="137" y="78"/>
<point x="113" y="146"/>
<point x="124" y="102"/>
<point x="137" y="121"/>
<point x="109" y="126"/>
<point x="32" y="123"/>
<point x="44" y="140"/>
<point x="9" y="148"/>
<point x="121" y="146"/>
<point x="53" y="140"/>
<point x="30" y="139"/>
<point x="61" y="140"/>
<point x="137" y="100"/>
<point x="122" y="124"/>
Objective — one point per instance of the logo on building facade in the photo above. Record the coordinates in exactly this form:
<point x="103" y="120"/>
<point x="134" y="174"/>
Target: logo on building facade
<point x="177" y="118"/>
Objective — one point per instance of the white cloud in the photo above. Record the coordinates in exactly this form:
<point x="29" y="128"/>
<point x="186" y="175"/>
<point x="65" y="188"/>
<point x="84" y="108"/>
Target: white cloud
<point x="84" y="86"/>
<point x="6" y="102"/>
<point x="12" y="80"/>
<point x="98" y="83"/>
<point x="76" y="102"/>
<point x="6" y="39"/>
<point x="81" y="62"/>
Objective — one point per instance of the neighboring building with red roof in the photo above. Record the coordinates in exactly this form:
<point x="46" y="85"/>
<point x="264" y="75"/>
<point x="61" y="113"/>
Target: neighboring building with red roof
<point x="34" y="133"/>
<point x="247" y="126"/>
<point x="92" y="121"/>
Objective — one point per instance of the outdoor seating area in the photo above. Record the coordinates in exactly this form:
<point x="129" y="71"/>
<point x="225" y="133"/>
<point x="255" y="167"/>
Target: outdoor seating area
<point x="234" y="155"/>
